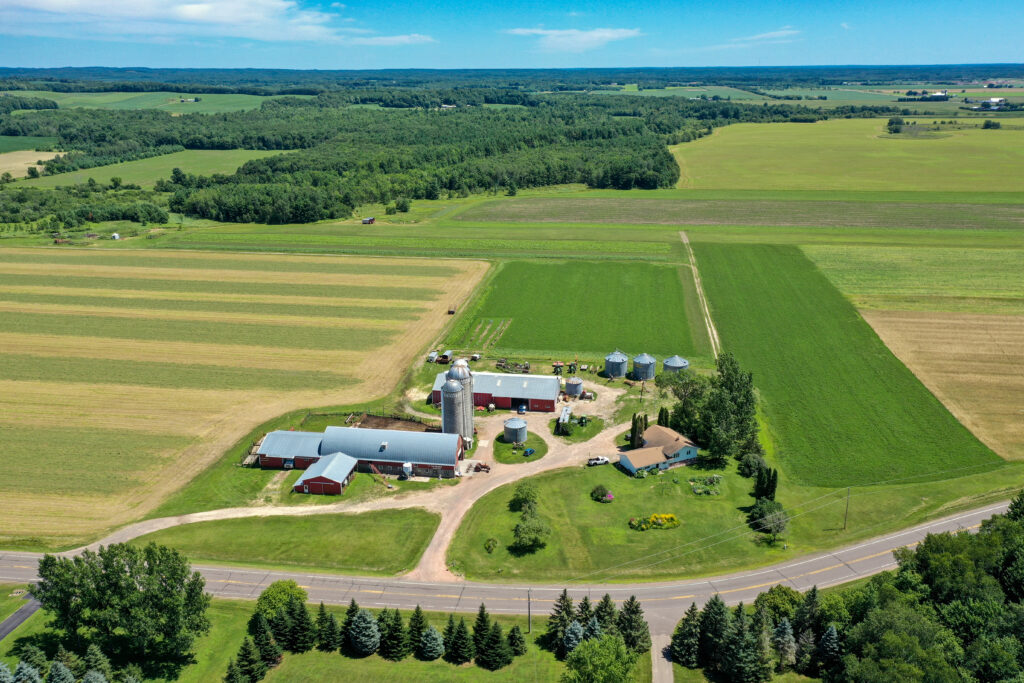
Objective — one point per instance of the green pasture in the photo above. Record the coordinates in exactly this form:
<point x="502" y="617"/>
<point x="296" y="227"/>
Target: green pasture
<point x="692" y="92"/>
<point x="590" y="307"/>
<point x="14" y="143"/>
<point x="842" y="408"/>
<point x="835" y="94"/>
<point x="380" y="543"/>
<point x="503" y="452"/>
<point x="683" y="211"/>
<point x="952" y="279"/>
<point x="146" y="172"/>
<point x="165" y="101"/>
<point x="850" y="154"/>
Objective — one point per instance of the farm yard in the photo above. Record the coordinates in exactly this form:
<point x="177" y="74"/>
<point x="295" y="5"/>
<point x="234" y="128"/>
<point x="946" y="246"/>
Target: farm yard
<point x="142" y="367"/>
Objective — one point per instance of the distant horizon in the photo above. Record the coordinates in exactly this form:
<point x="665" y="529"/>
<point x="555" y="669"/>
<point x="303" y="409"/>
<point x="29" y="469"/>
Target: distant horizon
<point x="6" y="67"/>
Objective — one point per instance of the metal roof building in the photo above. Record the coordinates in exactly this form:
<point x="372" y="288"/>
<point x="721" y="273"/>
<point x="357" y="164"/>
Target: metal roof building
<point x="392" y="445"/>
<point x="536" y="392"/>
<point x="330" y="474"/>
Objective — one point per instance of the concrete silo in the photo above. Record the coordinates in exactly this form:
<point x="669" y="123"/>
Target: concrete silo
<point x="573" y="386"/>
<point x="644" y="366"/>
<point x="515" y="430"/>
<point x="615" y="364"/>
<point x="453" y="410"/>
<point x="459" y="371"/>
<point x="675" y="364"/>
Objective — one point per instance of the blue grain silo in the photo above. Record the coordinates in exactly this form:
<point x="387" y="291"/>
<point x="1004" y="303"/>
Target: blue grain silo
<point x="615" y="364"/>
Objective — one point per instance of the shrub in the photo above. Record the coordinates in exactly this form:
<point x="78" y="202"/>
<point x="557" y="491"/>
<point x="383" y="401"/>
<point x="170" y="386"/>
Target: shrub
<point x="525" y="496"/>
<point x="601" y="494"/>
<point x="641" y="474"/>
<point x="706" y="486"/>
<point x="655" y="521"/>
<point x="490" y="544"/>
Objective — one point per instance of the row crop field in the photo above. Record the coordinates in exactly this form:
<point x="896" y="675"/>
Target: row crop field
<point x="851" y="154"/>
<point x="165" y="101"/>
<point x="589" y="308"/>
<point x="146" y="172"/>
<point x="15" y="143"/>
<point x="841" y="407"/>
<point x="131" y="371"/>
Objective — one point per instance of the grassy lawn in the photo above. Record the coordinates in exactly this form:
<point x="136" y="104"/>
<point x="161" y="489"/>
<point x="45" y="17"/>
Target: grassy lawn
<point x="551" y="307"/>
<point x="363" y="487"/>
<point x="849" y="154"/>
<point x="9" y="604"/>
<point x="843" y="409"/>
<point x="380" y="543"/>
<point x="680" y="674"/>
<point x="503" y="452"/>
<point x="580" y="434"/>
<point x="146" y="172"/>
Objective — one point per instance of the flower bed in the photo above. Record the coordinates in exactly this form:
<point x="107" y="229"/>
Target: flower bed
<point x="601" y="494"/>
<point x="655" y="521"/>
<point x="706" y="486"/>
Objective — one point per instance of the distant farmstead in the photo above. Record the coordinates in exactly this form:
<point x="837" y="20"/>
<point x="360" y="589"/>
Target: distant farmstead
<point x="534" y="392"/>
<point x="663" y="448"/>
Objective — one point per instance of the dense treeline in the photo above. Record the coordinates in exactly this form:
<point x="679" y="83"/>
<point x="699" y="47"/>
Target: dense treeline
<point x="281" y="81"/>
<point x="951" y="612"/>
<point x="70" y="207"/>
<point x="9" y="103"/>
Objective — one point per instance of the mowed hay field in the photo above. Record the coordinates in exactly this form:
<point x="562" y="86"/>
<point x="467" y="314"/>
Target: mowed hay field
<point x="166" y="101"/>
<point x="146" y="172"/>
<point x="841" y="408"/>
<point x="851" y="154"/>
<point x="123" y="374"/>
<point x="589" y="308"/>
<point x="973" y="363"/>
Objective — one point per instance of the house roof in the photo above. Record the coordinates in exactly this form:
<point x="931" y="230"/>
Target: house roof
<point x="391" y="445"/>
<point x="668" y="440"/>
<point x="333" y="466"/>
<point x="287" y="444"/>
<point x="644" y="457"/>
<point x="543" y="387"/>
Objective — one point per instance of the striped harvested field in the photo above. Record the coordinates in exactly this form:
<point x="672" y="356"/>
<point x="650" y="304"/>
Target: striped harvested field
<point x="973" y="363"/>
<point x="123" y="375"/>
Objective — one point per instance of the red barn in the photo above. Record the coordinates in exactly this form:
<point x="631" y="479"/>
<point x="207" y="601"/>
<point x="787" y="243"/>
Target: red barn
<point x="329" y="475"/>
<point x="536" y="392"/>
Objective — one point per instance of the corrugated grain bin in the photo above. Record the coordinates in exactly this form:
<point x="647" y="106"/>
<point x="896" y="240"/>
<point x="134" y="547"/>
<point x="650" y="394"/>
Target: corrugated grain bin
<point x="573" y="386"/>
<point x="615" y="364"/>
<point x="644" y="366"/>
<point x="675" y="364"/>
<point x="515" y="430"/>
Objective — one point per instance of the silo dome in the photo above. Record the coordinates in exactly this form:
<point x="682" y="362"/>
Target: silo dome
<point x="461" y="362"/>
<point x="451" y="387"/>
<point x="643" y="366"/>
<point x="458" y="372"/>
<point x="615" y="364"/>
<point x="675" y="364"/>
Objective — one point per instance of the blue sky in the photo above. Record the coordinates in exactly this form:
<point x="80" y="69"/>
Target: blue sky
<point x="323" y="34"/>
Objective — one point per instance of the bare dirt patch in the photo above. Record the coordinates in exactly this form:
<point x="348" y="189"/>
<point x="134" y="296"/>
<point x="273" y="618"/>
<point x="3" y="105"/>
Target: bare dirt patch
<point x="17" y="163"/>
<point x="973" y="363"/>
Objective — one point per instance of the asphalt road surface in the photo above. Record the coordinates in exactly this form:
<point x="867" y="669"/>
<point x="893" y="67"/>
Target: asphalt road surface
<point x="664" y="603"/>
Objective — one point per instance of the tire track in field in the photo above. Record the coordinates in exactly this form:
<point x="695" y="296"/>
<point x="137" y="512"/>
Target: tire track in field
<point x="709" y="323"/>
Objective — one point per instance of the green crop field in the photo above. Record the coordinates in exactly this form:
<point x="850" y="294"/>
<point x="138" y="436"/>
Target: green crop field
<point x="588" y="307"/>
<point x="344" y="543"/>
<point x="146" y="172"/>
<point x="14" y="143"/>
<point x="953" y="279"/>
<point x="165" y="101"/>
<point x="140" y="368"/>
<point x="709" y="91"/>
<point x="843" y="409"/>
<point x="851" y="154"/>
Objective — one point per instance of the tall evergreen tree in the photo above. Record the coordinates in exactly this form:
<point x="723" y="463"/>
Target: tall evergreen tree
<point x="561" y="616"/>
<point x="70" y="660"/>
<point x="249" y="661"/>
<point x="808" y="614"/>
<point x="96" y="661"/>
<point x="282" y="628"/>
<point x="89" y="677"/>
<point x="584" y="610"/>
<point x="448" y="635"/>
<point x="26" y="673"/>
<point x="60" y="674"/>
<point x="685" y="646"/>
<point x="234" y="674"/>
<point x="394" y="640"/>
<point x="784" y="644"/>
<point x="592" y="629"/>
<point x="33" y="657"/>
<point x="5" y="674"/>
<point x="607" y="615"/>
<point x="363" y="634"/>
<point x="496" y="652"/>
<point x="830" y="656"/>
<point x="573" y="637"/>
<point x="303" y="629"/>
<point x="350" y="613"/>
<point x="417" y="626"/>
<point x="431" y="644"/>
<point x="714" y="627"/>
<point x="481" y="629"/>
<point x="320" y="624"/>
<point x="1016" y="509"/>
<point x="462" y="645"/>
<point x="516" y="641"/>
<point x="633" y="627"/>
<point x="270" y="651"/>
<point x="741" y="661"/>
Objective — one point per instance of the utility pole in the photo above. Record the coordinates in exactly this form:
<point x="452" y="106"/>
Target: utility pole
<point x="529" y="612"/>
<point x="846" y="515"/>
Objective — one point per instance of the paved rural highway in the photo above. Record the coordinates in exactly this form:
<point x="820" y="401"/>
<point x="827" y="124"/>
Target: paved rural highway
<point x="664" y="603"/>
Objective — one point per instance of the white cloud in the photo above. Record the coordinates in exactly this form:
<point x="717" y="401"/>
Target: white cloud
<point x="575" y="40"/>
<point x="151" y="20"/>
<point x="845" y="26"/>
<point x="784" y="32"/>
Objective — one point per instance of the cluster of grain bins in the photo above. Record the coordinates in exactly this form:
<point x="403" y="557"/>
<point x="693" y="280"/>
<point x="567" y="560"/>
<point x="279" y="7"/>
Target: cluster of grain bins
<point x="644" y="365"/>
